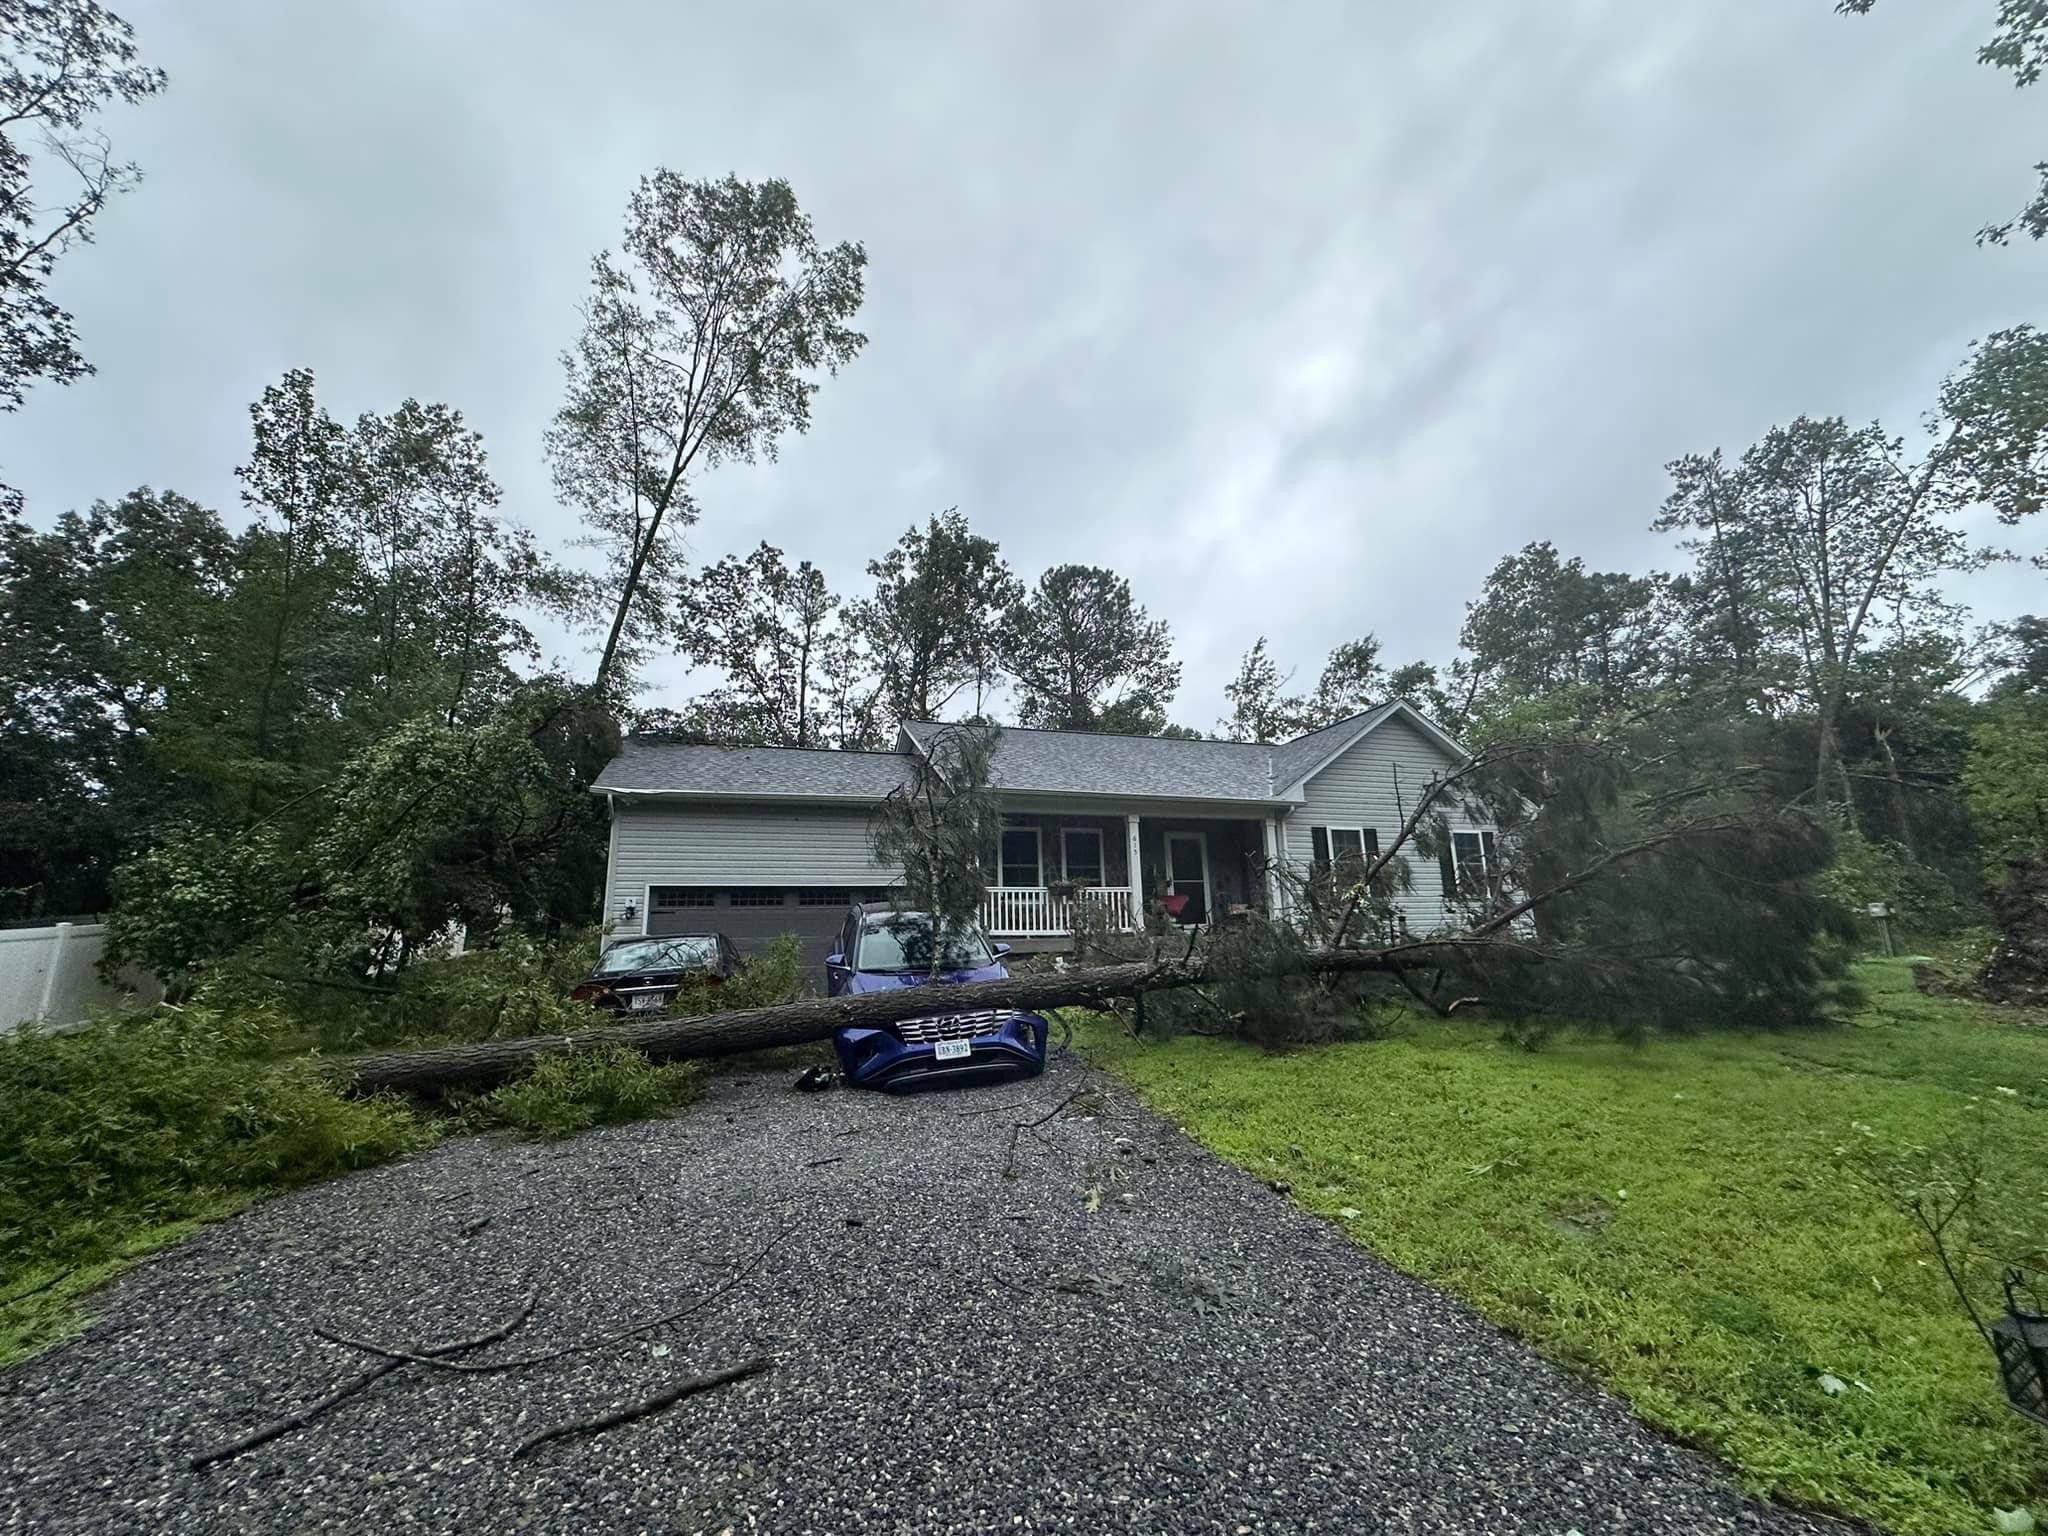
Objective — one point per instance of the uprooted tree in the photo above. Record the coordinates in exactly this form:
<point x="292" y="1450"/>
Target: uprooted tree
<point x="1619" y="894"/>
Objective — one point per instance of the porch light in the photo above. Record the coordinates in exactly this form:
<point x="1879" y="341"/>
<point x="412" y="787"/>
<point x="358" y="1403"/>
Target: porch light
<point x="2020" y="1339"/>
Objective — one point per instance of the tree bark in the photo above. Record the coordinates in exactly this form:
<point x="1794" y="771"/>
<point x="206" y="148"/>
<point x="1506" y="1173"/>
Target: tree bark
<point x="434" y="1069"/>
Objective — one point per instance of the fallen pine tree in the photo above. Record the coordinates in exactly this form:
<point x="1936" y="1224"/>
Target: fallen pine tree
<point x="1634" y="920"/>
<point x="433" y="1069"/>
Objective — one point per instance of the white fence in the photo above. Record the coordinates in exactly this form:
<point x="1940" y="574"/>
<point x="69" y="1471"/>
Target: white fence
<point x="50" y="976"/>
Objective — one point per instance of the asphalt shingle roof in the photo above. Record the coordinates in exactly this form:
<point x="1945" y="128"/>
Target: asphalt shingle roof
<point x="1085" y="763"/>
<point x="1049" y="762"/>
<point x="660" y="767"/>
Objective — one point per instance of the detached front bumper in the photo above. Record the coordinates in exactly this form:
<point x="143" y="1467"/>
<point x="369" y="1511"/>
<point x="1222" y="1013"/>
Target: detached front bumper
<point x="905" y="1057"/>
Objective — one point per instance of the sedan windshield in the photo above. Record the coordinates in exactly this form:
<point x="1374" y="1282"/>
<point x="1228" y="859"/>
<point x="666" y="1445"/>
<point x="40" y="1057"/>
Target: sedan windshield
<point x="683" y="954"/>
<point x="902" y="941"/>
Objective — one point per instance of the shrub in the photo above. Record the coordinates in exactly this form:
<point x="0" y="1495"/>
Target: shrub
<point x="572" y="1091"/>
<point x="138" y="1121"/>
<point x="775" y="975"/>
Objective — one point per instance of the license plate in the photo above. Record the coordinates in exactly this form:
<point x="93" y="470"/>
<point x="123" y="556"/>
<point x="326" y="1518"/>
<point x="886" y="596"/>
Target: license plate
<point x="952" y="1050"/>
<point x="642" y="1000"/>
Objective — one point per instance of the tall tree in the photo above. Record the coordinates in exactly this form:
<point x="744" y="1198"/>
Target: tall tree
<point x="1542" y="623"/>
<point x="1833" y="523"/>
<point x="111" y="639"/>
<point x="769" y="630"/>
<point x="701" y="345"/>
<point x="61" y="61"/>
<point x="1352" y="681"/>
<point x="932" y="622"/>
<point x="1086" y="655"/>
<point x="441" y="576"/>
<point x="1259" y="711"/>
<point x="299" y="557"/>
<point x="2019" y="47"/>
<point x="942" y="829"/>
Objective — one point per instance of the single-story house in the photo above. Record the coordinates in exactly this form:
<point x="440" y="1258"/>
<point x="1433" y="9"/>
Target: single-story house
<point x="758" y="841"/>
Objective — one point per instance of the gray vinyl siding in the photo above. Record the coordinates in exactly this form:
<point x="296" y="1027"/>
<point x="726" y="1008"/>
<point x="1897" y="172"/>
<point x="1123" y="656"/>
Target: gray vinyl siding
<point x="1375" y="784"/>
<point x="723" y="844"/>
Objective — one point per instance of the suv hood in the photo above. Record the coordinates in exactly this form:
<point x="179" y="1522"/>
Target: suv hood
<point x="886" y="981"/>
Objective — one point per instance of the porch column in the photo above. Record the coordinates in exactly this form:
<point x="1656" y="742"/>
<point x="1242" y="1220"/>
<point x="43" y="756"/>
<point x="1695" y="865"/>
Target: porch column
<point x="1271" y="827"/>
<point x="1135" y="876"/>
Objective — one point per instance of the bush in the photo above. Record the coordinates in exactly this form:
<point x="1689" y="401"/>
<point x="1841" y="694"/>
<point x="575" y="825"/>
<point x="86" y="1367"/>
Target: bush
<point x="139" y="1121"/>
<point x="775" y="975"/>
<point x="563" y="1094"/>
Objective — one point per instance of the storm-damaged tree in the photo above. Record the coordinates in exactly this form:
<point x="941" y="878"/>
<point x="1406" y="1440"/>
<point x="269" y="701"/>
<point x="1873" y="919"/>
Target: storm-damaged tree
<point x="702" y="344"/>
<point x="1259" y="711"/>
<point x="1087" y="657"/>
<point x="61" y="61"/>
<point x="942" y="828"/>
<point x="2018" y="46"/>
<point x="934" y="620"/>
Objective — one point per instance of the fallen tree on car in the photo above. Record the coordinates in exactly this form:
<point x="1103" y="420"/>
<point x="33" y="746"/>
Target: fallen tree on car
<point x="1666" y="906"/>
<point x="433" y="1069"/>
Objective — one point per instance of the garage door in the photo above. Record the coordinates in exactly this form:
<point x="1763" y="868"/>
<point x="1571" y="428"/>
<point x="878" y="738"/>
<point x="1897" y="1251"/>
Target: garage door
<point x="750" y="917"/>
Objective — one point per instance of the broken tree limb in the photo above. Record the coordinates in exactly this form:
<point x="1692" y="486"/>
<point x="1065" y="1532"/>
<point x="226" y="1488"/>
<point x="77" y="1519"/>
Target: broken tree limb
<point x="434" y="1069"/>
<point x="396" y="1357"/>
<point x="264" y="1434"/>
<point x="644" y="1407"/>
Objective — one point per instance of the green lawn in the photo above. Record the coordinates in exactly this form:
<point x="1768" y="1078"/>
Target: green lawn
<point x="1675" y="1221"/>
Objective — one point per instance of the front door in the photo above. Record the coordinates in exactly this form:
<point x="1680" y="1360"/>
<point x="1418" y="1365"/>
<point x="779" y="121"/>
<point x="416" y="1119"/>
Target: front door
<point x="1187" y="874"/>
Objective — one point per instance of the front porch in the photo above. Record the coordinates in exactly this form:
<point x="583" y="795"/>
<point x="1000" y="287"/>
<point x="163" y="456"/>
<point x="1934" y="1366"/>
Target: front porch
<point x="1190" y="869"/>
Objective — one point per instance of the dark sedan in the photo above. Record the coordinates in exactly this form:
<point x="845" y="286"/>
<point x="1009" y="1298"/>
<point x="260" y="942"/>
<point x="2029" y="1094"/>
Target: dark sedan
<point x="635" y="975"/>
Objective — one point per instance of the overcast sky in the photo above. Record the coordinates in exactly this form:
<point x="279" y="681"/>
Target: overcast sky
<point x="1300" y="316"/>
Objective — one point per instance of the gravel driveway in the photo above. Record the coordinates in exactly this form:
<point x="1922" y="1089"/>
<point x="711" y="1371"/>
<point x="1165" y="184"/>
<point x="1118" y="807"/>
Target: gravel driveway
<point x="1126" y="1336"/>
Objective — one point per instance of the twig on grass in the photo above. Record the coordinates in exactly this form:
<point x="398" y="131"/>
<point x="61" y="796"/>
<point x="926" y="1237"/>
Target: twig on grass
<point x="266" y="1433"/>
<point x="640" y="1410"/>
<point x="581" y="1346"/>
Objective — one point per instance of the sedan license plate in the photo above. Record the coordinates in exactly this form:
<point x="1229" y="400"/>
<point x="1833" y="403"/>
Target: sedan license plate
<point x="640" y="1000"/>
<point x="952" y="1050"/>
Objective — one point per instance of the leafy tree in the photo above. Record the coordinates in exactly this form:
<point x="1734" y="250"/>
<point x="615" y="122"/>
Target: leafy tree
<point x="1351" y="682"/>
<point x="61" y="61"/>
<point x="112" y="635"/>
<point x="701" y="345"/>
<point x="935" y="615"/>
<point x="298" y="561"/>
<point x="2019" y="46"/>
<point x="1258" y="709"/>
<point x="440" y="577"/>
<point x="1998" y="403"/>
<point x="2006" y="783"/>
<point x="1087" y="657"/>
<point x="770" y="631"/>
<point x="1542" y="624"/>
<point x="1824" y="523"/>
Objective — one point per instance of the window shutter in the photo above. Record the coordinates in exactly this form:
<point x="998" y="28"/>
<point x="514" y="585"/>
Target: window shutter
<point x="1372" y="843"/>
<point x="1448" y="869"/>
<point x="1489" y="850"/>
<point x="1319" y="842"/>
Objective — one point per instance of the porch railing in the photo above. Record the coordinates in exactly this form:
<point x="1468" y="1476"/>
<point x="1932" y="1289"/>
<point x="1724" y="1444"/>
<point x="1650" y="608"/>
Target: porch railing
<point x="1033" y="912"/>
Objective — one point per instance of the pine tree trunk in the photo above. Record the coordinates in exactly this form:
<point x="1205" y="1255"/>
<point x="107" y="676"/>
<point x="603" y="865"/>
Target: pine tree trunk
<point x="433" y="1069"/>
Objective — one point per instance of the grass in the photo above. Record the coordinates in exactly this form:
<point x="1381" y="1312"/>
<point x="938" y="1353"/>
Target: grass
<point x="1674" y="1221"/>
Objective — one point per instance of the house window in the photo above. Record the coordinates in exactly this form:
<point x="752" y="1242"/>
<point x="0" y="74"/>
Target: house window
<point x="824" y="896"/>
<point x="674" y="898"/>
<point x="1350" y="847"/>
<point x="1474" y="863"/>
<point x="755" y="899"/>
<point x="1020" y="860"/>
<point x="1081" y="854"/>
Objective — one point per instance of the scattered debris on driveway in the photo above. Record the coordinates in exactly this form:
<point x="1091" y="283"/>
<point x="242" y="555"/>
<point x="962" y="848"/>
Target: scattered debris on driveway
<point x="751" y="1318"/>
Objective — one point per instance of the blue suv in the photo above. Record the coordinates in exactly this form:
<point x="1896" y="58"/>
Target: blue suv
<point x="879" y="949"/>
